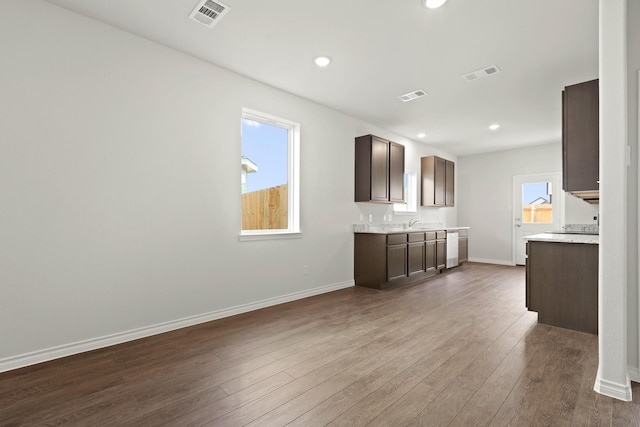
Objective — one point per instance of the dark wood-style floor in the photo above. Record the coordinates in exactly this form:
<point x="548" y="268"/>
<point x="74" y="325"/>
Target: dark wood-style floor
<point x="458" y="350"/>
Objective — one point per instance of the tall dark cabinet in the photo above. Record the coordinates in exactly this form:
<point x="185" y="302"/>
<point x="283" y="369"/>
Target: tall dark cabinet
<point x="580" y="140"/>
<point x="379" y="170"/>
<point x="438" y="181"/>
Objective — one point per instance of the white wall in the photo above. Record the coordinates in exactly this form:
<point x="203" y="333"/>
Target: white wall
<point x="613" y="374"/>
<point x="485" y="197"/>
<point x="120" y="192"/>
<point x="633" y="67"/>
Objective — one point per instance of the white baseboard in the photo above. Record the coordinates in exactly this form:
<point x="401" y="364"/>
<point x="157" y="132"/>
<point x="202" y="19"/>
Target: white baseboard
<point x="491" y="261"/>
<point x="612" y="389"/>
<point x="57" y="352"/>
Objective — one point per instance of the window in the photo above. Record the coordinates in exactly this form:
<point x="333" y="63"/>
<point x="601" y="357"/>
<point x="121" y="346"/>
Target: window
<point x="410" y="194"/>
<point x="537" y="206"/>
<point x="269" y="176"/>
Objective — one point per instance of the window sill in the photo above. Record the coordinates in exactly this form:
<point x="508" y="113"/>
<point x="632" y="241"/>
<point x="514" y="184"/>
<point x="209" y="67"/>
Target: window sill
<point x="270" y="236"/>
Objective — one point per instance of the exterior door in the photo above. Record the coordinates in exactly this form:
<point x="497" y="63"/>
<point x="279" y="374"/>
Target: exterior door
<point x="537" y="207"/>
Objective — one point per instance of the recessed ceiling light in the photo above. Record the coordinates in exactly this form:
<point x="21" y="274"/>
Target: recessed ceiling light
<point x="494" y="126"/>
<point x="322" y="61"/>
<point x="421" y="135"/>
<point x="433" y="4"/>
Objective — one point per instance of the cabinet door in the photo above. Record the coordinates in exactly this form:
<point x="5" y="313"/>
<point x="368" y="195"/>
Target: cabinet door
<point x="396" y="262"/>
<point x="370" y="260"/>
<point x="426" y="177"/>
<point x="396" y="173"/>
<point x="416" y="262"/>
<point x="463" y="249"/>
<point x="430" y="256"/>
<point x="449" y="182"/>
<point x="441" y="254"/>
<point x="379" y="170"/>
<point x="527" y="280"/>
<point x="580" y="137"/>
<point x="439" y="181"/>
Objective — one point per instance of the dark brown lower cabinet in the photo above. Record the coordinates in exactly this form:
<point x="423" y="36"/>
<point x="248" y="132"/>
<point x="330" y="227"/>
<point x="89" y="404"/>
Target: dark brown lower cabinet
<point x="441" y="254"/>
<point x="383" y="261"/>
<point x="396" y="262"/>
<point x="562" y="284"/>
<point x="430" y="256"/>
<point x="416" y="258"/>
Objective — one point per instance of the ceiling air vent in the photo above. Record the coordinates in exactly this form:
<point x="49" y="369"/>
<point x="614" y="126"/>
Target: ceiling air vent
<point x="412" y="95"/>
<point x="209" y="12"/>
<point x="483" y="72"/>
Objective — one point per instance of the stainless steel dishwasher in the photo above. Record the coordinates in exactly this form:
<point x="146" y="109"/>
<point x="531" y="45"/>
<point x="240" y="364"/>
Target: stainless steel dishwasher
<point x="452" y="248"/>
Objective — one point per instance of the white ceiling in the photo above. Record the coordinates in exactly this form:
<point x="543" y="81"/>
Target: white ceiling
<point x="383" y="49"/>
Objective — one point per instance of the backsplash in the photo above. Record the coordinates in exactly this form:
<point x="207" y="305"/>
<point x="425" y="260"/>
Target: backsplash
<point x="378" y="213"/>
<point x="582" y="228"/>
<point x="369" y="228"/>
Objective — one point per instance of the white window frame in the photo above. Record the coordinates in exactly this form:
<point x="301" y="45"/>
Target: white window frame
<point x="293" y="177"/>
<point x="410" y="207"/>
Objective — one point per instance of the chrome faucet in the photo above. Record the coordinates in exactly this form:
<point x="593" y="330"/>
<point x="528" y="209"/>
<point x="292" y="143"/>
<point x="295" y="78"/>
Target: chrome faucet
<point x="413" y="222"/>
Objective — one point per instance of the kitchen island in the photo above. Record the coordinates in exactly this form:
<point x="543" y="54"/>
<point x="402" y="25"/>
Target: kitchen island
<point x="562" y="280"/>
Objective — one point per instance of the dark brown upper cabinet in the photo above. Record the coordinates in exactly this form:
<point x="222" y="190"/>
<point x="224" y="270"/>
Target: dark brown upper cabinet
<point x="449" y="177"/>
<point x="438" y="181"/>
<point x="580" y="140"/>
<point x="379" y="170"/>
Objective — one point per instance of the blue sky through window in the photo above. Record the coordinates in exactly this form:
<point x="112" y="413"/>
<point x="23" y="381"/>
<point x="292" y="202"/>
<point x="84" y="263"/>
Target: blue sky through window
<point x="533" y="191"/>
<point x="267" y="147"/>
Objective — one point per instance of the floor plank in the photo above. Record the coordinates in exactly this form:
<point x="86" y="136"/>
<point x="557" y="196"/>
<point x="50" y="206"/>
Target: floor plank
<point x="459" y="349"/>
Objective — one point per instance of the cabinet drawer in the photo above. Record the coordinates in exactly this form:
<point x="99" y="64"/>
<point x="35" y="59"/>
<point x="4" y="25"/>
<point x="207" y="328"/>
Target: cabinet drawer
<point x="396" y="239"/>
<point x="416" y="237"/>
<point x="441" y="234"/>
<point x="430" y="235"/>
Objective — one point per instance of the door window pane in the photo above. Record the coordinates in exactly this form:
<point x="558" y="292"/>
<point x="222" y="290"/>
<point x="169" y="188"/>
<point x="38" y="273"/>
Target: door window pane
<point x="537" y="203"/>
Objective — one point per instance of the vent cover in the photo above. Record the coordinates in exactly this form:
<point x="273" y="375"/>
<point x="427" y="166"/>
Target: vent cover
<point x="412" y="95"/>
<point x="209" y="12"/>
<point x="483" y="72"/>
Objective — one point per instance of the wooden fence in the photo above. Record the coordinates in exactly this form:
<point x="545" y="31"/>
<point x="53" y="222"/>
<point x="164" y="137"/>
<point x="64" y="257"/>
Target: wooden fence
<point x="265" y="209"/>
<point x="542" y="213"/>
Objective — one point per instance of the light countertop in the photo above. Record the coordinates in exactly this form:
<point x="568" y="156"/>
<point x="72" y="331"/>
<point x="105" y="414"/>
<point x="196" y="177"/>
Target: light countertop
<point x="565" y="238"/>
<point x="400" y="228"/>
